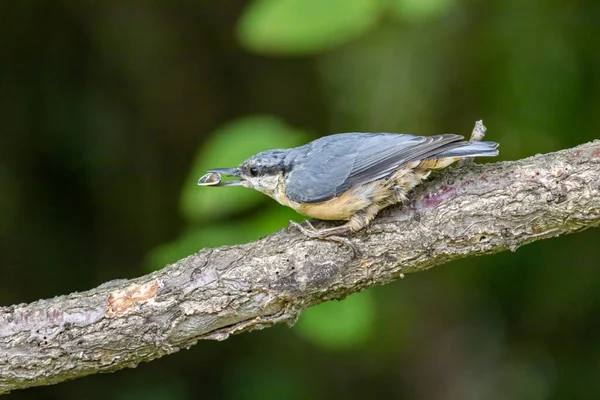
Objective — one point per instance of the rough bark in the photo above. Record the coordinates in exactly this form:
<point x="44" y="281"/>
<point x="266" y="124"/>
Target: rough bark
<point x="466" y="211"/>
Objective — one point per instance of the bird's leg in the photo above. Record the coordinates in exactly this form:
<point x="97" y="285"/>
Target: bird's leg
<point x="356" y="222"/>
<point x="329" y="234"/>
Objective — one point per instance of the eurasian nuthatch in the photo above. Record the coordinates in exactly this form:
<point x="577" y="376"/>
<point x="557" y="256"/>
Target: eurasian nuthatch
<point x="348" y="176"/>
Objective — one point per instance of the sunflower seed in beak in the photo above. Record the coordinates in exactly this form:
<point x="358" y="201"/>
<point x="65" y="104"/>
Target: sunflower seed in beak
<point x="210" y="179"/>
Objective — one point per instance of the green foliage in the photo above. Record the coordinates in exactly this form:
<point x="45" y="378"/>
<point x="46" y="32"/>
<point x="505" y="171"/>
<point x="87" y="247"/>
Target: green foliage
<point x="228" y="146"/>
<point x="313" y="26"/>
<point x="418" y="10"/>
<point x="304" y="26"/>
<point x="339" y="325"/>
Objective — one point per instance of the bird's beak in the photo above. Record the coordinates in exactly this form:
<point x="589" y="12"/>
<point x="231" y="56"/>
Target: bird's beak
<point x="213" y="178"/>
<point x="227" y="171"/>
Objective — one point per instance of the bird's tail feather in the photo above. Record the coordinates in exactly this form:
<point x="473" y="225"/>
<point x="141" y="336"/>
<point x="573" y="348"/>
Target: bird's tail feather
<point x="472" y="149"/>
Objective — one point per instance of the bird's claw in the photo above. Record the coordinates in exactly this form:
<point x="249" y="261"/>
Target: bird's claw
<point x="325" y="234"/>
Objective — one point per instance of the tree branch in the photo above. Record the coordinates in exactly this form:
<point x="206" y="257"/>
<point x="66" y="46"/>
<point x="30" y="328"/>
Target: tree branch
<point x="467" y="211"/>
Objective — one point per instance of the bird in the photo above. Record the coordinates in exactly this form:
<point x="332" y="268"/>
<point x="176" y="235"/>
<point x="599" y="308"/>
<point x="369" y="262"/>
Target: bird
<point x="348" y="176"/>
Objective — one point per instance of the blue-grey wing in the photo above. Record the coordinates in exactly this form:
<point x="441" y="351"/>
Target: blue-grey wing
<point x="328" y="167"/>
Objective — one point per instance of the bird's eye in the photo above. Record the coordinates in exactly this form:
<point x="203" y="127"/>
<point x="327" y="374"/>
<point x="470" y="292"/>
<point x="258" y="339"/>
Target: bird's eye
<point x="253" y="171"/>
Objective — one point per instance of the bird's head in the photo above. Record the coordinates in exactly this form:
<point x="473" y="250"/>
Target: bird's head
<point x="261" y="172"/>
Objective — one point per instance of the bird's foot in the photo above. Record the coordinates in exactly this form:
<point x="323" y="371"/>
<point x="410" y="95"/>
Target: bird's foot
<point x="329" y="234"/>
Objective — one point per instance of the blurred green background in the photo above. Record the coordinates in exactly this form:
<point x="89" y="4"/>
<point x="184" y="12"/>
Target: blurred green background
<point x="110" y="111"/>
